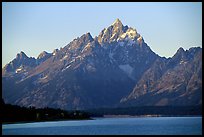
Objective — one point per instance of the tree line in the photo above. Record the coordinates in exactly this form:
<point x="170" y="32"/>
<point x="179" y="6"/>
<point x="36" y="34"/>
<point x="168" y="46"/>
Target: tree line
<point x="13" y="113"/>
<point x="148" y="110"/>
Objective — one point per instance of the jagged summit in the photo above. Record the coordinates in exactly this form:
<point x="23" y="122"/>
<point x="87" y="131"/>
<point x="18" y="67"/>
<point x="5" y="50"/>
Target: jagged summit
<point x="180" y="50"/>
<point x="21" y="55"/>
<point x="118" y="32"/>
<point x="117" y="22"/>
<point x="55" y="51"/>
<point x="88" y="34"/>
<point x="87" y="37"/>
<point x="42" y="54"/>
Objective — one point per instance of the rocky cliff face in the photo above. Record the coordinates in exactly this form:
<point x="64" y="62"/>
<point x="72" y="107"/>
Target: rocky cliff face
<point x="175" y="81"/>
<point x="116" y="68"/>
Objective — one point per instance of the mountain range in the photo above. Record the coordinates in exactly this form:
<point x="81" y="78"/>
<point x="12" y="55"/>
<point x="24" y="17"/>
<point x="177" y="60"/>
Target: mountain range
<point x="115" y="69"/>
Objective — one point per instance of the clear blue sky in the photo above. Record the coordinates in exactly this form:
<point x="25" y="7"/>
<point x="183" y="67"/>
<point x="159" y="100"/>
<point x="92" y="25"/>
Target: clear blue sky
<point x="35" y="27"/>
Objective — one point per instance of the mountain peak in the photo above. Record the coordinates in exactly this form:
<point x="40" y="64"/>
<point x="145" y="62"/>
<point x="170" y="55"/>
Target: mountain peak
<point x="55" y="51"/>
<point x="88" y="34"/>
<point x="112" y="32"/>
<point x="180" y="50"/>
<point x="117" y="25"/>
<point x="86" y="37"/>
<point x="21" y="55"/>
<point x="180" y="54"/>
<point x="117" y="22"/>
<point x="42" y="54"/>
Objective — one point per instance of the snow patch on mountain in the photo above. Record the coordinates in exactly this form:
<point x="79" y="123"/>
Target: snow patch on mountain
<point x="112" y="37"/>
<point x="127" y="69"/>
<point x="86" y="47"/>
<point x="64" y="58"/>
<point x="183" y="62"/>
<point x="72" y="60"/>
<point x="44" y="77"/>
<point x="130" y="33"/>
<point x="66" y="68"/>
<point x="139" y="39"/>
<point x="18" y="70"/>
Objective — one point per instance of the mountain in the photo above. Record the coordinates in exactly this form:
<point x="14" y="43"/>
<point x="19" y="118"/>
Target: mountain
<point x="43" y="56"/>
<point x="116" y="68"/>
<point x="170" y="82"/>
<point x="21" y="63"/>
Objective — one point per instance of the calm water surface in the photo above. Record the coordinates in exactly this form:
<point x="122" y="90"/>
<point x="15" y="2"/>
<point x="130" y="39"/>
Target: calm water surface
<point x="111" y="126"/>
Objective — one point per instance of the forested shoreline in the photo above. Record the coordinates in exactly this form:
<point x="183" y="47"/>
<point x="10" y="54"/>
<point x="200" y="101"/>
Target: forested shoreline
<point x="14" y="114"/>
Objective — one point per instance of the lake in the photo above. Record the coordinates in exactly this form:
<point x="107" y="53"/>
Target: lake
<point x="110" y="126"/>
